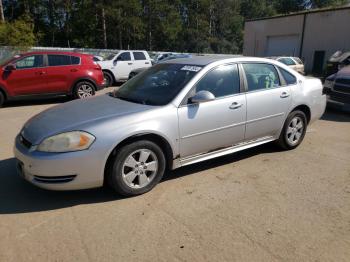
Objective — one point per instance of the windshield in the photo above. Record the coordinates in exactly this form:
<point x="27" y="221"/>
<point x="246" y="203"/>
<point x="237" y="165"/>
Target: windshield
<point x="158" y="85"/>
<point x="10" y="60"/>
<point x="110" y="57"/>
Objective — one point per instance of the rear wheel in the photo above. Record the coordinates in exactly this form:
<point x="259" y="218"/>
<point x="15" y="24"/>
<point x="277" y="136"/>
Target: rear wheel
<point x="2" y="99"/>
<point x="294" y="130"/>
<point x="136" y="168"/>
<point x="108" y="78"/>
<point x="84" y="89"/>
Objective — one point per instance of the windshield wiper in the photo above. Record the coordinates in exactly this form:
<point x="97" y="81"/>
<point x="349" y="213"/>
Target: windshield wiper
<point x="128" y="99"/>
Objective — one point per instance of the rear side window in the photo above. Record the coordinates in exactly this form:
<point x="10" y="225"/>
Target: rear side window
<point x="288" y="77"/>
<point x="59" y="60"/>
<point x="261" y="76"/>
<point x="139" y="56"/>
<point x="124" y="56"/>
<point x="30" y="62"/>
<point x="75" y="60"/>
<point x="222" y="81"/>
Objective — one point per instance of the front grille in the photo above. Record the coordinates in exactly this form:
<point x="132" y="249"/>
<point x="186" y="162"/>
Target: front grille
<point x="54" y="179"/>
<point x="343" y="81"/>
<point x="25" y="142"/>
<point x="339" y="97"/>
<point x="341" y="88"/>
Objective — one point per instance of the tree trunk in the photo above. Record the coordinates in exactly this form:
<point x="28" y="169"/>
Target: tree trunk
<point x="104" y="28"/>
<point x="52" y="22"/>
<point x="2" y="17"/>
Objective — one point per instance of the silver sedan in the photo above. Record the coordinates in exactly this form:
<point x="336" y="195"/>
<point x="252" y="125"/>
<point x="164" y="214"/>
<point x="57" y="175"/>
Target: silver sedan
<point x="174" y="114"/>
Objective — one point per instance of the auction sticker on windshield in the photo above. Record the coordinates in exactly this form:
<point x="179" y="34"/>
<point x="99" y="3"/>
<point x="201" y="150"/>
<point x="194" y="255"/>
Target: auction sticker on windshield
<point x="191" y="68"/>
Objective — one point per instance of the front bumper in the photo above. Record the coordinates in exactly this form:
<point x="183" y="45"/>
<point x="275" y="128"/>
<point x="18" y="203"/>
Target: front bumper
<point x="339" y="100"/>
<point x="101" y="86"/>
<point x="59" y="171"/>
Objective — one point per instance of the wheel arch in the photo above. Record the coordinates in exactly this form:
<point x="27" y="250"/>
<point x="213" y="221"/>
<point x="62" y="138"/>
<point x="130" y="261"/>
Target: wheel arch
<point x="4" y="92"/>
<point x="83" y="79"/>
<point x="162" y="142"/>
<point x="305" y="109"/>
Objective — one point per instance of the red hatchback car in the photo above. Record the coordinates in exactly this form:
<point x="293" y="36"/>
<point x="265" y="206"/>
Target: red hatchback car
<point x="49" y="74"/>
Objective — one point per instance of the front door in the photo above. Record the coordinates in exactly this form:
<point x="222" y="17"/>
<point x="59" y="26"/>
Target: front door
<point x="216" y="124"/>
<point x="29" y="77"/>
<point x="267" y="101"/>
<point x="122" y="66"/>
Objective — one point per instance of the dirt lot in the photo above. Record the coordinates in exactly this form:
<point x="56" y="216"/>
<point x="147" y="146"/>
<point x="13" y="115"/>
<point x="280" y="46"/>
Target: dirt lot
<point x="257" y="205"/>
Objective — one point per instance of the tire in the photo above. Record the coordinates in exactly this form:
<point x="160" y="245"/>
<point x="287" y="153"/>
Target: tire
<point x="127" y="175"/>
<point x="2" y="99"/>
<point x="132" y="74"/>
<point x="84" y="89"/>
<point x="108" y="78"/>
<point x="293" y="131"/>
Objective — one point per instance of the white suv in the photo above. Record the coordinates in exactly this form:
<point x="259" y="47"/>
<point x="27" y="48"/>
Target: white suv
<point x="118" y="66"/>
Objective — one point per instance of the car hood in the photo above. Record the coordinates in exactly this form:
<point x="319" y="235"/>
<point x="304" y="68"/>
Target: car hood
<point x="77" y="114"/>
<point x="105" y="63"/>
<point x="344" y="72"/>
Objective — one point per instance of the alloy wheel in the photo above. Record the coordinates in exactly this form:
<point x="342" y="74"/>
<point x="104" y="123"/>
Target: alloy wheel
<point x="140" y="168"/>
<point x="85" y="91"/>
<point x="295" y="130"/>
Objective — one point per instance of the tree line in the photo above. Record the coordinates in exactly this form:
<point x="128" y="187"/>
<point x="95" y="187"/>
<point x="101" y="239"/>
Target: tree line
<point x="197" y="26"/>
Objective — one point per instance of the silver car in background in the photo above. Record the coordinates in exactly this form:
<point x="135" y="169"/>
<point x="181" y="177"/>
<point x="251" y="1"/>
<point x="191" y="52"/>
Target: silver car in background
<point x="293" y="62"/>
<point x="174" y="114"/>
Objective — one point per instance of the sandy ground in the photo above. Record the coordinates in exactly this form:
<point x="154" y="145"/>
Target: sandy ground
<point x="258" y="205"/>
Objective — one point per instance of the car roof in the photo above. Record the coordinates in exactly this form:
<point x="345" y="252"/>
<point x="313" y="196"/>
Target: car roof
<point x="54" y="53"/>
<point x="206" y="60"/>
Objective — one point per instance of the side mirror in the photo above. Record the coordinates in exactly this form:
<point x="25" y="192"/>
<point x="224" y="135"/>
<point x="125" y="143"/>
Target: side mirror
<point x="10" y="67"/>
<point x="202" y="96"/>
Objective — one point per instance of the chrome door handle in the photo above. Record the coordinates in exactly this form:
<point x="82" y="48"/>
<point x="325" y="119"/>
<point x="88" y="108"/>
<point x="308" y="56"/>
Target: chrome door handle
<point x="284" y="95"/>
<point x="235" y="105"/>
<point x="129" y="63"/>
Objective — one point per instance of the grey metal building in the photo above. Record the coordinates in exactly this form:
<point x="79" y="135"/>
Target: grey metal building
<point x="311" y="35"/>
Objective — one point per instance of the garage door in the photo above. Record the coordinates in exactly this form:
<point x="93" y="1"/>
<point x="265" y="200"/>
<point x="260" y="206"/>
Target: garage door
<point x="284" y="45"/>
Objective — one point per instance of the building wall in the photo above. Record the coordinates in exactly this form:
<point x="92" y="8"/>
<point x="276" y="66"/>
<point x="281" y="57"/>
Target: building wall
<point x="256" y="33"/>
<point x="327" y="31"/>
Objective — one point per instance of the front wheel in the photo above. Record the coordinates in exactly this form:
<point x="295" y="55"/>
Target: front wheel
<point x="108" y="78"/>
<point x="136" y="168"/>
<point x="2" y="99"/>
<point x="294" y="130"/>
<point x="83" y="90"/>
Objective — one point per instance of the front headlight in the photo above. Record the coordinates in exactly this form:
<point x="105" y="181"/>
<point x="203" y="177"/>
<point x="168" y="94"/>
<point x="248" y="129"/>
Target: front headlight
<point x="67" y="142"/>
<point x="328" y="83"/>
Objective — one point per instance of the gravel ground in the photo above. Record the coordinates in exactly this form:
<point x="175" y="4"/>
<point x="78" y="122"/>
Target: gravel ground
<point x="262" y="204"/>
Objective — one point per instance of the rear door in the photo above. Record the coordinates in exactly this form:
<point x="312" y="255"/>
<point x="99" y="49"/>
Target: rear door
<point x="29" y="77"/>
<point x="140" y="60"/>
<point x="268" y="101"/>
<point x="123" y="65"/>
<point x="62" y="70"/>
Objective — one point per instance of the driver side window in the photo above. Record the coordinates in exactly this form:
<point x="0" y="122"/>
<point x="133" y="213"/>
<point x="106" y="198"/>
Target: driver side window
<point x="30" y="62"/>
<point x="221" y="81"/>
<point x="124" y="57"/>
